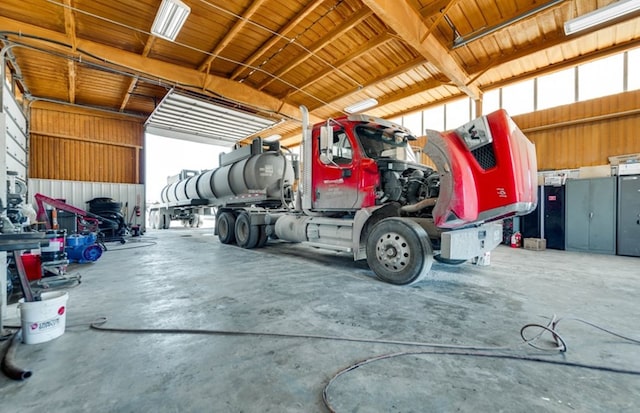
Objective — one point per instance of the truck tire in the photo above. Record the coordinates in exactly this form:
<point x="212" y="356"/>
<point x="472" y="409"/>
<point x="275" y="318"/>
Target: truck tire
<point x="399" y="251"/>
<point x="448" y="261"/>
<point x="246" y="235"/>
<point x="225" y="227"/>
<point x="263" y="237"/>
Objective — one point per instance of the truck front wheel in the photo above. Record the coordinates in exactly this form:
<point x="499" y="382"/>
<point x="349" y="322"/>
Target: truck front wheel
<point x="399" y="251"/>
<point x="225" y="226"/>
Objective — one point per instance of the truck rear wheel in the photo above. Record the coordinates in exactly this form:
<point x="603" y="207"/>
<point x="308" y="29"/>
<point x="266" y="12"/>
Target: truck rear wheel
<point x="246" y="235"/>
<point x="399" y="251"/>
<point x="263" y="237"/>
<point x="225" y="227"/>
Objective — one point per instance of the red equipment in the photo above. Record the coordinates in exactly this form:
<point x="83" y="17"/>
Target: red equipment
<point x="85" y="222"/>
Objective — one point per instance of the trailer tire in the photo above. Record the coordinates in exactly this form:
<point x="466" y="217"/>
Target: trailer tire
<point x="225" y="227"/>
<point x="399" y="251"/>
<point x="165" y="220"/>
<point x="246" y="235"/>
<point x="195" y="221"/>
<point x="263" y="237"/>
<point x="153" y="219"/>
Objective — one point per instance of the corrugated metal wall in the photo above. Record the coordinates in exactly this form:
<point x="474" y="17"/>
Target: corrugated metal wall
<point x="584" y="133"/>
<point x="82" y="145"/>
<point x="78" y="193"/>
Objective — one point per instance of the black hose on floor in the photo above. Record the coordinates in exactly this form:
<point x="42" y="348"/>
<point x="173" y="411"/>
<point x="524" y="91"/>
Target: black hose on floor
<point x="8" y="366"/>
<point x="437" y="349"/>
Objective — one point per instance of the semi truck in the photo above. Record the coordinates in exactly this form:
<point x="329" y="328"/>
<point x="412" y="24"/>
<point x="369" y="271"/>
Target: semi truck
<point x="359" y="189"/>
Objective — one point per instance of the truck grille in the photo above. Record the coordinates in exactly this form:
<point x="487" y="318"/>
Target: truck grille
<point x="485" y="156"/>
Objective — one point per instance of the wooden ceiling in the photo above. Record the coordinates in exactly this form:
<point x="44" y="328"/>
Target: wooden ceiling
<point x="270" y="56"/>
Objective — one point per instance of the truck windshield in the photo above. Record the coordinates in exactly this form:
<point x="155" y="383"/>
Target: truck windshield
<point x="379" y="143"/>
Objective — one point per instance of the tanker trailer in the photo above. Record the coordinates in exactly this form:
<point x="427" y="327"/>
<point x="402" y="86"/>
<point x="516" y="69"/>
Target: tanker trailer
<point x="259" y="174"/>
<point x="364" y="193"/>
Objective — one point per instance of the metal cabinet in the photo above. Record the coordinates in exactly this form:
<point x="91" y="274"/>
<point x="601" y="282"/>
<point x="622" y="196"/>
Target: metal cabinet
<point x="629" y="215"/>
<point x="591" y="215"/>
<point x="547" y="220"/>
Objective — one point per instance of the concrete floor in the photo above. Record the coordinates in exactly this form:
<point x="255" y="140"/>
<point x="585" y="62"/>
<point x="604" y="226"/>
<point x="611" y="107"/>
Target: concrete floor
<point x="189" y="280"/>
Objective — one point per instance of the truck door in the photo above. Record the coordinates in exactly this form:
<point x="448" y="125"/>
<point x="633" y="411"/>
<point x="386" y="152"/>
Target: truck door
<point x="335" y="183"/>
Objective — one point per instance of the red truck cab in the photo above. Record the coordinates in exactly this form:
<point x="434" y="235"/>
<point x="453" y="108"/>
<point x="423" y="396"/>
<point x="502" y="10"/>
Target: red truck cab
<point x="485" y="169"/>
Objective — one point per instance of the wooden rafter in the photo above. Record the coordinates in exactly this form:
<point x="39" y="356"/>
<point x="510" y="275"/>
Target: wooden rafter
<point x="433" y="8"/>
<point x="276" y="38"/>
<point x="365" y="48"/>
<point x="167" y="72"/>
<point x="231" y="34"/>
<point x="354" y="20"/>
<point x="134" y="80"/>
<point x="390" y="75"/>
<point x="443" y="12"/>
<point x="408" y="23"/>
<point x="127" y="95"/>
<point x="596" y="54"/>
<point x="550" y="40"/>
<point x="71" y="68"/>
<point x="410" y="91"/>
<point x="70" y="31"/>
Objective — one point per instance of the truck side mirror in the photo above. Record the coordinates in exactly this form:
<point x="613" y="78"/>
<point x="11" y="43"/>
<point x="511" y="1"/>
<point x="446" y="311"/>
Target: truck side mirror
<point x="326" y="143"/>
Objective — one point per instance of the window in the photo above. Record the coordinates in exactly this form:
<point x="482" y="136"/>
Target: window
<point x="434" y="118"/>
<point x="556" y="89"/>
<point x="341" y="149"/>
<point x="384" y="143"/>
<point x="518" y="98"/>
<point x="413" y="122"/>
<point x="601" y="77"/>
<point x="490" y="101"/>
<point x="458" y="113"/>
<point x="633" y="70"/>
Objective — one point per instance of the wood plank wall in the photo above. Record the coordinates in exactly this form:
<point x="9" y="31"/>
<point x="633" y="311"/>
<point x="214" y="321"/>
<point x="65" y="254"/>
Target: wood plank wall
<point x="584" y="133"/>
<point x="82" y="145"/>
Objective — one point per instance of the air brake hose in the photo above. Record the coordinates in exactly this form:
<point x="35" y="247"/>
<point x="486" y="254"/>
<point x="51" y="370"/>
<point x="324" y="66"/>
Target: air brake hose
<point x="8" y="366"/>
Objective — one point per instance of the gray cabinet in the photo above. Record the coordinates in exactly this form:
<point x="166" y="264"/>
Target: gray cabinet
<point x="629" y="215"/>
<point x="591" y="215"/>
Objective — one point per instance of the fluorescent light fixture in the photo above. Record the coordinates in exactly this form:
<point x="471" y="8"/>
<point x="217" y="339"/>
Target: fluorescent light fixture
<point x="170" y="18"/>
<point x="360" y="106"/>
<point x="602" y="15"/>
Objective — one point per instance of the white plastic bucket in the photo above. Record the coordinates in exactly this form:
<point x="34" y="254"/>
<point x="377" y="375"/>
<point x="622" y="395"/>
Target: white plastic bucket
<point x="43" y="320"/>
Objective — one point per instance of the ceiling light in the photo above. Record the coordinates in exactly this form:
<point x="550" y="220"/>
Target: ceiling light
<point x="170" y="18"/>
<point x="362" y="105"/>
<point x="601" y="15"/>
